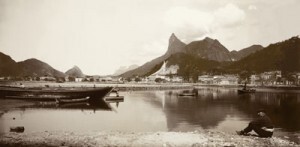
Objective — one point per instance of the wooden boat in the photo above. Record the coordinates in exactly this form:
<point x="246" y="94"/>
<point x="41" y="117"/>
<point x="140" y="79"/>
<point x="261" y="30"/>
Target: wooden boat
<point x="191" y="93"/>
<point x="187" y="94"/>
<point x="246" y="90"/>
<point x="241" y="91"/>
<point x="51" y="94"/>
<point x="65" y="101"/>
<point x="114" y="98"/>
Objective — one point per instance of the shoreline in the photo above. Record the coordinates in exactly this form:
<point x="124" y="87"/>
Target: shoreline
<point x="146" y="86"/>
<point x="116" y="138"/>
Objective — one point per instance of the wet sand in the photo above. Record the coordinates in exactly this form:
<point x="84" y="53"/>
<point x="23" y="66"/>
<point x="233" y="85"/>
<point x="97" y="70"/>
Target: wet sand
<point x="81" y="139"/>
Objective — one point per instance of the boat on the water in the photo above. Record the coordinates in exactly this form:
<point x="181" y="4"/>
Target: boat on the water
<point x="53" y="93"/>
<point x="189" y="93"/>
<point x="241" y="91"/>
<point x="246" y="90"/>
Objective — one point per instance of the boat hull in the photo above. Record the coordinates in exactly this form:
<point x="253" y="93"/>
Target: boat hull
<point x="241" y="91"/>
<point x="53" y="93"/>
<point x="187" y="94"/>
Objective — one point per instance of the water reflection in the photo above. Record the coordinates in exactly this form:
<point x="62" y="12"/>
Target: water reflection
<point x="283" y="108"/>
<point x="214" y="106"/>
<point x="41" y="116"/>
<point x="91" y="105"/>
<point x="206" y="111"/>
<point x="99" y="105"/>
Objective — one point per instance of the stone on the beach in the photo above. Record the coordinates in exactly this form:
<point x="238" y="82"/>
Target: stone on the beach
<point x="18" y="129"/>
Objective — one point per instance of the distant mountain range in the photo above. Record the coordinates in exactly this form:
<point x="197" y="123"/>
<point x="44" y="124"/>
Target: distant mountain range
<point x="206" y="49"/>
<point x="123" y="69"/>
<point x="32" y="67"/>
<point x="237" y="55"/>
<point x="284" y="56"/>
<point x="198" y="57"/>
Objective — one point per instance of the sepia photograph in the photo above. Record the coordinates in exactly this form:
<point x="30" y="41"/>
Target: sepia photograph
<point x="135" y="73"/>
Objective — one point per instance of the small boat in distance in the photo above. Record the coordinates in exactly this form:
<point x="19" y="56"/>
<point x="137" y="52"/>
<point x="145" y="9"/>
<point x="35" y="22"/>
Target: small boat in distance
<point x="53" y="93"/>
<point x="246" y="90"/>
<point x="241" y="91"/>
<point x="193" y="92"/>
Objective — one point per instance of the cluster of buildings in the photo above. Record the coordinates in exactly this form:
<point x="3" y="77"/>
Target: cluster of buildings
<point x="275" y="78"/>
<point x="169" y="75"/>
<point x="263" y="79"/>
<point x="63" y="79"/>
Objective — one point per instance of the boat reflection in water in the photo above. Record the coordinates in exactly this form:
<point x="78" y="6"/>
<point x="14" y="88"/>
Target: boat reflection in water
<point x="50" y="116"/>
<point x="94" y="105"/>
<point x="88" y="105"/>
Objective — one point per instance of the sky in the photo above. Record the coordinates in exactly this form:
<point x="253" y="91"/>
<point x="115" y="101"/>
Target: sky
<point x="99" y="36"/>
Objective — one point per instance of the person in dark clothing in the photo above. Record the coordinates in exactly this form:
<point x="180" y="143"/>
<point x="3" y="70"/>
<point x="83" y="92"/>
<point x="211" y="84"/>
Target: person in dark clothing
<point x="262" y="125"/>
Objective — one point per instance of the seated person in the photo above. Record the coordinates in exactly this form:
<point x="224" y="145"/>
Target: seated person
<point x="262" y="125"/>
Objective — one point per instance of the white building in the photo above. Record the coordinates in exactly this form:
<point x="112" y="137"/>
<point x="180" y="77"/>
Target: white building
<point x="219" y="79"/>
<point x="206" y="79"/>
<point x="78" y="79"/>
<point x="166" y="74"/>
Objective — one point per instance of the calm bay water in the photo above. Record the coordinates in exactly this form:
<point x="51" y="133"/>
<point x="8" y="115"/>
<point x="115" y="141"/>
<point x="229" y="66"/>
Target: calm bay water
<point x="220" y="109"/>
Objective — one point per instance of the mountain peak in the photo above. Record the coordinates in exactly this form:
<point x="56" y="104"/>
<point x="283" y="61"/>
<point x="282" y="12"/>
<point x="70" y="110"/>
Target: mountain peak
<point x="76" y="67"/>
<point x="75" y="72"/>
<point x="210" y="49"/>
<point x="35" y="67"/>
<point x="173" y="38"/>
<point x="210" y="40"/>
<point x="175" y="45"/>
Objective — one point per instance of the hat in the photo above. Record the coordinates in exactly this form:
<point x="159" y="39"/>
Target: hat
<point x="261" y="110"/>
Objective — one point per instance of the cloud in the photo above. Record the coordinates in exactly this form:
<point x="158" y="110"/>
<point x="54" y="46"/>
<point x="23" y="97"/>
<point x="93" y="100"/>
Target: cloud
<point x="149" y="51"/>
<point x="190" y="24"/>
<point x="252" y="7"/>
<point x="229" y="16"/>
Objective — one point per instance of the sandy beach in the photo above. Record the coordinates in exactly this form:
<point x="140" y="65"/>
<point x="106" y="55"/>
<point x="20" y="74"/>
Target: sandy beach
<point x="80" y="139"/>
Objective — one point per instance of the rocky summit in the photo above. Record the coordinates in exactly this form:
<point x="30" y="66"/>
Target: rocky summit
<point x="210" y="49"/>
<point x="75" y="72"/>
